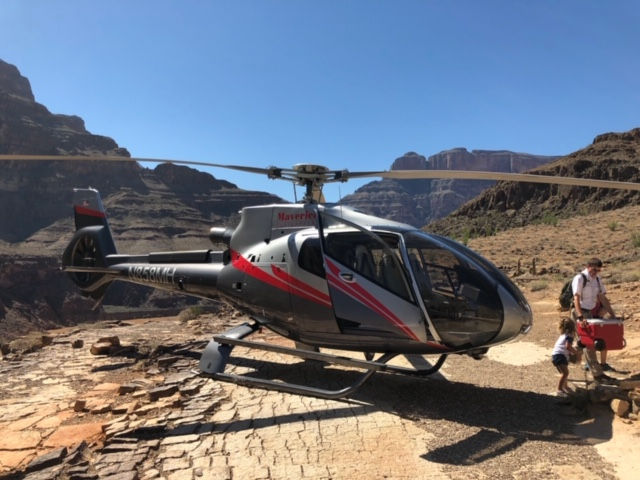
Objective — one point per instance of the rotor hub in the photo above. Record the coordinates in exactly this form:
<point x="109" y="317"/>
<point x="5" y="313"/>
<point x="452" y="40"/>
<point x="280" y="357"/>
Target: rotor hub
<point x="313" y="177"/>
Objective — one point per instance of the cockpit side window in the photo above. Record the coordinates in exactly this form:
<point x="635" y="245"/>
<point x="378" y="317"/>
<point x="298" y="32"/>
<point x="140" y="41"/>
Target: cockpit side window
<point x="436" y="268"/>
<point x="310" y="257"/>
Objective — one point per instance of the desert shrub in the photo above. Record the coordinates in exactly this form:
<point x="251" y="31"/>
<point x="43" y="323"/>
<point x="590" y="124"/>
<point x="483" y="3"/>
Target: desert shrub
<point x="613" y="225"/>
<point x="28" y="343"/>
<point x="635" y="239"/>
<point x="618" y="276"/>
<point x="189" y="314"/>
<point x="486" y="228"/>
<point x="615" y="278"/>
<point x="550" y="219"/>
<point x="539" y="285"/>
<point x="466" y="236"/>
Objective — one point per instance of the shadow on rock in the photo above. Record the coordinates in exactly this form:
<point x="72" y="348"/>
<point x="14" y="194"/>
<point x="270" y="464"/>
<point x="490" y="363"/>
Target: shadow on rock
<point x="475" y="449"/>
<point x="506" y="418"/>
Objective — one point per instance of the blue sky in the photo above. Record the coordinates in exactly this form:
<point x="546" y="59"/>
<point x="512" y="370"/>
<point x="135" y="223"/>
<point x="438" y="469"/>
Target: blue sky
<point x="347" y="84"/>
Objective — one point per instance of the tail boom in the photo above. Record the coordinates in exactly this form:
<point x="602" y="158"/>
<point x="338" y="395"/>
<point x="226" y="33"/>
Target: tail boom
<point x="92" y="262"/>
<point x="196" y="279"/>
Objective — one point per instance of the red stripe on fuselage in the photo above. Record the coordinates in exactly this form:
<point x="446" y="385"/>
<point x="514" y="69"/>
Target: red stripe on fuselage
<point x="306" y="292"/>
<point x="338" y="283"/>
<point x="300" y="285"/>
<point x="356" y="291"/>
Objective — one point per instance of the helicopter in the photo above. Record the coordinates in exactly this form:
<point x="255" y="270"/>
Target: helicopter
<point x="322" y="275"/>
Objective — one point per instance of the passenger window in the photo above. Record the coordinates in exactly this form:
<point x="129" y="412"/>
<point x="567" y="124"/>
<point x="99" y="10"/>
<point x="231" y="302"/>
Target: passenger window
<point x="370" y="258"/>
<point x="310" y="257"/>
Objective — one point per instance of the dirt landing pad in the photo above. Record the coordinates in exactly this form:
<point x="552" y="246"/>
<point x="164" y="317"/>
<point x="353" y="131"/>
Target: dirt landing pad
<point x="142" y="414"/>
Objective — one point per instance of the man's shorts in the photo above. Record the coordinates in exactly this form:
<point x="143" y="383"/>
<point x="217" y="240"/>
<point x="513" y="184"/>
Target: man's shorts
<point x="586" y="313"/>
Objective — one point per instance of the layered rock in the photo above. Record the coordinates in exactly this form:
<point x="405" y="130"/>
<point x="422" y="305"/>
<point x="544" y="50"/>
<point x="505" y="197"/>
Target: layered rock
<point x="12" y="83"/>
<point x="419" y="202"/>
<point x="28" y="127"/>
<point x="169" y="207"/>
<point x="611" y="156"/>
<point x="34" y="293"/>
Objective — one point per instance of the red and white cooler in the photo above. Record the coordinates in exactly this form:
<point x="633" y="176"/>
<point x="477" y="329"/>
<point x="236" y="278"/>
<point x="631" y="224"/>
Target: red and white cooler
<point x="602" y="334"/>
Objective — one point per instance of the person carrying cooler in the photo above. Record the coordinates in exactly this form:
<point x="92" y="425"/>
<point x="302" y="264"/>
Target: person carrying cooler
<point x="590" y="301"/>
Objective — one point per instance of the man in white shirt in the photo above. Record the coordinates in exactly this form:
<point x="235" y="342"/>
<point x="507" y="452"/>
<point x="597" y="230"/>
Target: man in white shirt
<point x="590" y="301"/>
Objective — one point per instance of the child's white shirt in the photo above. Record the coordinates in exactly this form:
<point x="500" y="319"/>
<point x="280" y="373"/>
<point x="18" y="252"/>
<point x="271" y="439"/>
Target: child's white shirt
<point x="561" y="345"/>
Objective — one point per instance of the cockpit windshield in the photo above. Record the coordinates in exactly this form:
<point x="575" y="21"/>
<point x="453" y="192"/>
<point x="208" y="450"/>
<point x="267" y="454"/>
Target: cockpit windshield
<point x="461" y="299"/>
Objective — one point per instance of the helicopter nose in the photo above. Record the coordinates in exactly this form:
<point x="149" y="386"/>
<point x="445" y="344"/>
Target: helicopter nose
<point x="518" y="318"/>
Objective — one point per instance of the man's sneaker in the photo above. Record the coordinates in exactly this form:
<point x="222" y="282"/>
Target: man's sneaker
<point x="561" y="394"/>
<point x="606" y="367"/>
<point x="586" y="367"/>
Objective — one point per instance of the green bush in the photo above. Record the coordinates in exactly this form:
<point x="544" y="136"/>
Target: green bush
<point x="613" y="225"/>
<point x="635" y="239"/>
<point x="550" y="219"/>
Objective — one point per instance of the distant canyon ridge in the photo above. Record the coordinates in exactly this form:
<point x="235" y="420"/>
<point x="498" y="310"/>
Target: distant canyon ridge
<point x="419" y="202"/>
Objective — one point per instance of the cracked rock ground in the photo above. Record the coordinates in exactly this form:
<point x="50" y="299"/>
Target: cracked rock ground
<point x="141" y="412"/>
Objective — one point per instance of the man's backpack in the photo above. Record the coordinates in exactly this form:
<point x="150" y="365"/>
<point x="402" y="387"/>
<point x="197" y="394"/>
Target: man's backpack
<point x="566" y="294"/>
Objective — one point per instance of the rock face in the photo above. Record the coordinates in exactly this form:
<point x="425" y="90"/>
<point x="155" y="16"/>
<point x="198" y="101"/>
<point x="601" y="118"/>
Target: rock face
<point x="418" y="202"/>
<point x="12" y="83"/>
<point x="611" y="156"/>
<point x="28" y="127"/>
<point x="35" y="294"/>
<point x="169" y="207"/>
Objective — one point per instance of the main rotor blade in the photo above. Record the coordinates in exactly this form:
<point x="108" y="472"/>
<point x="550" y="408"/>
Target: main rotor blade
<point x="509" y="177"/>
<point x="293" y="175"/>
<point x="115" y="158"/>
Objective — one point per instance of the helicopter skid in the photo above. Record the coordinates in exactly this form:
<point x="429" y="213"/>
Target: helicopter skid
<point x="218" y="350"/>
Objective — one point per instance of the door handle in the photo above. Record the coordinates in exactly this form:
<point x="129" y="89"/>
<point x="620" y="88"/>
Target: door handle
<point x="347" y="277"/>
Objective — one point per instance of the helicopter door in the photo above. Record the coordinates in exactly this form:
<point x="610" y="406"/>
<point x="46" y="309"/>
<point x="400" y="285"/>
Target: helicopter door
<point x="367" y="283"/>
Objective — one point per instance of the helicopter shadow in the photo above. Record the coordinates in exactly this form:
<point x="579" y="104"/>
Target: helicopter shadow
<point x="505" y="419"/>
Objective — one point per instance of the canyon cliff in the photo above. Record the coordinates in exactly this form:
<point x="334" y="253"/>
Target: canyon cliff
<point x="419" y="202"/>
<point x="611" y="156"/>
<point x="168" y="207"/>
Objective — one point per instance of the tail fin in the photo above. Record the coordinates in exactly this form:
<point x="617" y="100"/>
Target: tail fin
<point x="89" y="211"/>
<point x="84" y="259"/>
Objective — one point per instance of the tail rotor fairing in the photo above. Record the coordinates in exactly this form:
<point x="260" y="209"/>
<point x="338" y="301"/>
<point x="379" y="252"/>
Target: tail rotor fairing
<point x="84" y="254"/>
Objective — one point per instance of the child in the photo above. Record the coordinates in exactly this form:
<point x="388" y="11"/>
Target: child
<point x="563" y="351"/>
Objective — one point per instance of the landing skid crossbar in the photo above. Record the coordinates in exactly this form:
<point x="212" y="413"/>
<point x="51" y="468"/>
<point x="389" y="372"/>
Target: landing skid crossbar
<point x="248" y="381"/>
<point x="308" y="354"/>
<point x="224" y="343"/>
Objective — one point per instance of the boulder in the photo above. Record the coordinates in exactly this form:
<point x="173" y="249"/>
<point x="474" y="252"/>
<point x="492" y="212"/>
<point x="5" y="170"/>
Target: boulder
<point x="101" y="348"/>
<point x="620" y="407"/>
